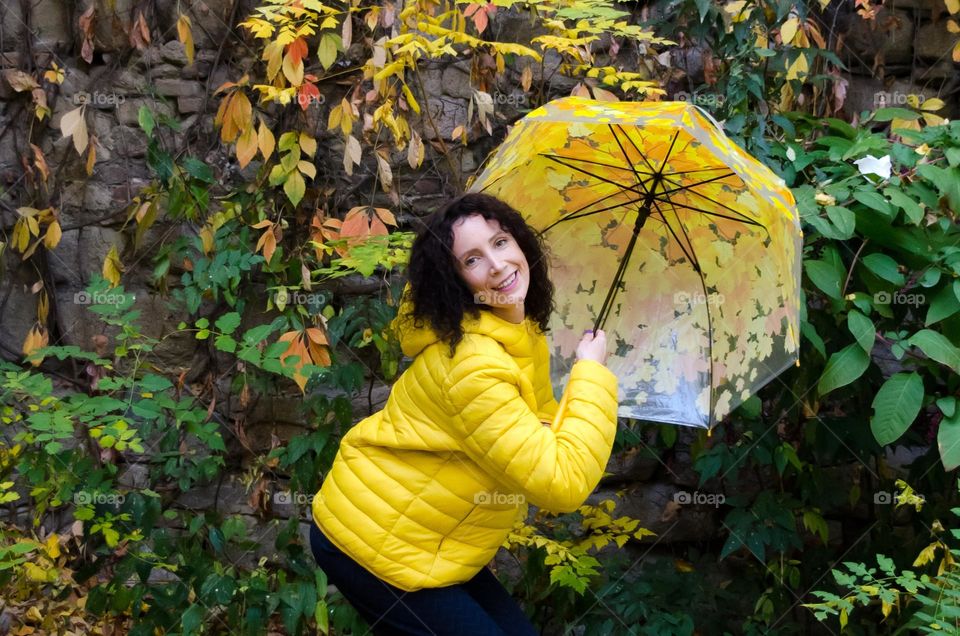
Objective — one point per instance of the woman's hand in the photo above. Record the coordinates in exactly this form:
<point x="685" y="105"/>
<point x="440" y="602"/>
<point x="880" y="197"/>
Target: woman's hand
<point x="593" y="346"/>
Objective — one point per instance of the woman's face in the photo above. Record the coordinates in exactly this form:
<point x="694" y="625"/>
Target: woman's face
<point x="492" y="265"/>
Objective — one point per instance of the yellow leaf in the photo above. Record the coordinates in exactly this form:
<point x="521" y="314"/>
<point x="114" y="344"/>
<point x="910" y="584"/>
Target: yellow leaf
<point x="788" y="30"/>
<point x="308" y="144"/>
<point x="956" y="52"/>
<point x="55" y="75"/>
<point x="52" y="547"/>
<point x="885" y="608"/>
<point x="953" y="6"/>
<point x="307" y="168"/>
<point x="333" y="120"/>
<point x="112" y="267"/>
<point x="526" y="78"/>
<point x="206" y="239"/>
<point x="410" y="99"/>
<point x="273" y="55"/>
<point x="265" y="141"/>
<point x="351" y="154"/>
<point x="185" y="35"/>
<point x="932" y="104"/>
<point x="37" y="338"/>
<point x="293" y="73"/>
<point x="952" y="26"/>
<point x="52" y="238"/>
<point x="73" y="124"/>
<point x="247" y="147"/>
<point x="798" y="70"/>
<point x="927" y="554"/>
<point x="91" y="158"/>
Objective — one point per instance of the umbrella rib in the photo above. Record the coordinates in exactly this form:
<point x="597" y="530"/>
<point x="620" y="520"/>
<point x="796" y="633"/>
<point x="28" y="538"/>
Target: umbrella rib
<point x="573" y="215"/>
<point x="595" y="163"/>
<point x="744" y="219"/>
<point x="635" y="147"/>
<point x="590" y="174"/>
<point x="680" y="187"/>
<point x="689" y="254"/>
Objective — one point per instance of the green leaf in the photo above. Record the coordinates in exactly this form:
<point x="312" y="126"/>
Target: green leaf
<point x="884" y="267"/>
<point x="896" y="406"/>
<point x="228" y="323"/>
<point x="191" y="619"/>
<point x="889" y="114"/>
<point x="874" y="201"/>
<point x="948" y="441"/>
<point x="327" y="52"/>
<point x="145" y="119"/>
<point x="294" y="187"/>
<point x="910" y="207"/>
<point x="943" y="305"/>
<point x="862" y="329"/>
<point x="936" y="347"/>
<point x="226" y="343"/>
<point x="825" y="276"/>
<point x="843" y="219"/>
<point x="844" y="367"/>
<point x="203" y="323"/>
<point x="947" y="405"/>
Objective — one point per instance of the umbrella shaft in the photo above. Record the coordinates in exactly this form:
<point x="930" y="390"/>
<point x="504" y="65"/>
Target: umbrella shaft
<point x="642" y="215"/>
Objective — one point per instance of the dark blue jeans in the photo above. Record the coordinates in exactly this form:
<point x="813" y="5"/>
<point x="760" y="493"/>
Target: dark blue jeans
<point x="479" y="607"/>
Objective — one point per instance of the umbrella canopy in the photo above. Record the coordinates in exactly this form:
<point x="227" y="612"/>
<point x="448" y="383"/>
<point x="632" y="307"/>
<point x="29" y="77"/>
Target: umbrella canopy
<point x="662" y="232"/>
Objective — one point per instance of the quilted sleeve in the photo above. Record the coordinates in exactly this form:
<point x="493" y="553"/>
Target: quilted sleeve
<point x="497" y="429"/>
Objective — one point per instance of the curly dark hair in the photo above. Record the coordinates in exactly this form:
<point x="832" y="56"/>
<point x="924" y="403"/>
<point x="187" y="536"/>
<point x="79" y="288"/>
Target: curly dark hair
<point x="439" y="295"/>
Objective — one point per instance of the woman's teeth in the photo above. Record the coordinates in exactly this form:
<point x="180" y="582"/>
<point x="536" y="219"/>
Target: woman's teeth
<point x="508" y="282"/>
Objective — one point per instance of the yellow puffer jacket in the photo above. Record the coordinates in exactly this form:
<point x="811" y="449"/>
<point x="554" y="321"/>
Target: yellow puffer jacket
<point x="424" y="492"/>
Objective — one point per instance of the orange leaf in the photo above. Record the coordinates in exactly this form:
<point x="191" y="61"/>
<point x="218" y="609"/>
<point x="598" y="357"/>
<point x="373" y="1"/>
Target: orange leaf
<point x="386" y="216"/>
<point x="86" y="28"/>
<point x="36" y="338"/>
<point x="297" y="50"/>
<point x="246" y="147"/>
<point x="296" y="348"/>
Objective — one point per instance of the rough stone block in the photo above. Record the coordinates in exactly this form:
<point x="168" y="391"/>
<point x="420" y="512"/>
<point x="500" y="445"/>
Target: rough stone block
<point x="174" y="53"/>
<point x="456" y="80"/>
<point x="187" y="105"/>
<point x="128" y="112"/>
<point x="890" y="34"/>
<point x="935" y="42"/>
<point x="178" y="88"/>
<point x="49" y="22"/>
<point x="163" y="71"/>
<point x="64" y="260"/>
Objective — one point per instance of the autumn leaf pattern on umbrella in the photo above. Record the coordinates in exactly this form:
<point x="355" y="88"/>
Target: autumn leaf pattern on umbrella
<point x="679" y="244"/>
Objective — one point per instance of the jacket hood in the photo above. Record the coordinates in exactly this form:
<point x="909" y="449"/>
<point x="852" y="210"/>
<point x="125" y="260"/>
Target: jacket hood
<point x="517" y="339"/>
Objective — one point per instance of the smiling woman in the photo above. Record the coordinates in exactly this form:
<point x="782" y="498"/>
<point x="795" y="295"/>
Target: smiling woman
<point x="492" y="265"/>
<point x="423" y="493"/>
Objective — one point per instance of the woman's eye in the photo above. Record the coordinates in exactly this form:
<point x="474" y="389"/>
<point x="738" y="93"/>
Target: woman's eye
<point x="501" y="242"/>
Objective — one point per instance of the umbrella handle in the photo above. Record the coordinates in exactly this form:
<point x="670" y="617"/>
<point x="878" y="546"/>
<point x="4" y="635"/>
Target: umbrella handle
<point x="555" y="425"/>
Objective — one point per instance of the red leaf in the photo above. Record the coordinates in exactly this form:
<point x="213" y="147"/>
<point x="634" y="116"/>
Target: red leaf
<point x="297" y="50"/>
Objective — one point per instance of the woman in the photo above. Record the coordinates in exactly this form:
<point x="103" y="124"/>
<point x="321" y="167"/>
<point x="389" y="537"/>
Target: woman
<point x="423" y="493"/>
